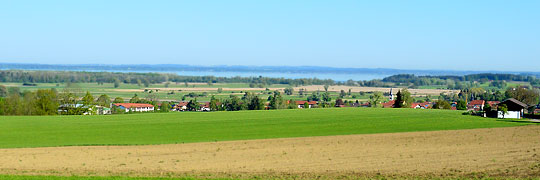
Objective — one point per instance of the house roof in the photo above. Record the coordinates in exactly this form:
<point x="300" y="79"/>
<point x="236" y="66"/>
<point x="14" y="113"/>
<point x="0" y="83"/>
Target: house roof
<point x="477" y="102"/>
<point x="389" y="104"/>
<point x="515" y="101"/>
<point x="424" y="104"/>
<point x="493" y="103"/>
<point x="182" y="103"/>
<point x="133" y="105"/>
<point x="303" y="102"/>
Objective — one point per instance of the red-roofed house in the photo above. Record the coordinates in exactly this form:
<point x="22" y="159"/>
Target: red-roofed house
<point x="389" y="104"/>
<point x="301" y="104"/>
<point x="181" y="106"/>
<point x="424" y="105"/>
<point x="135" y="107"/>
<point x="493" y="104"/>
<point x="476" y="105"/>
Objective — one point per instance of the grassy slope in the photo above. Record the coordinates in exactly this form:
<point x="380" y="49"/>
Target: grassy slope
<point x="179" y="127"/>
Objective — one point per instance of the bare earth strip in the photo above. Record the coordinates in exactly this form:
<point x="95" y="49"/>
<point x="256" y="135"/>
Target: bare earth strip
<point x="507" y="152"/>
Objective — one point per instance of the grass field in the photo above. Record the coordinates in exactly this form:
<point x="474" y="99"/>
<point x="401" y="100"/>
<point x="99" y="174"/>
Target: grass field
<point x="175" y="92"/>
<point x="186" y="127"/>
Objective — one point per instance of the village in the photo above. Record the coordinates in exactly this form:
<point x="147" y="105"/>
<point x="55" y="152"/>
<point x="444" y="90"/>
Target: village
<point x="510" y="108"/>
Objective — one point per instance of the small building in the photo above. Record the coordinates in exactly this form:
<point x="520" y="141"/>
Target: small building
<point x="391" y="95"/>
<point x="493" y="104"/>
<point x="181" y="106"/>
<point x="310" y="104"/>
<point x="205" y="106"/>
<point x="101" y="110"/>
<point x="135" y="107"/>
<point x="516" y="109"/>
<point x="424" y="105"/>
<point x="389" y="104"/>
<point x="476" y="105"/>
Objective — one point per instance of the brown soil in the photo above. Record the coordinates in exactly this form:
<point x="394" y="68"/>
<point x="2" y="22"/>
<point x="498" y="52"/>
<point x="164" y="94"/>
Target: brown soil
<point x="506" y="152"/>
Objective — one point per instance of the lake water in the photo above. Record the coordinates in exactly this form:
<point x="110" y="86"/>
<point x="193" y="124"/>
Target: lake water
<point x="334" y="76"/>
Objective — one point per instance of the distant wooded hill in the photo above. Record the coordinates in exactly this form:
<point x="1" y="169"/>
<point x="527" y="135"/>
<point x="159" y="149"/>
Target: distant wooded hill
<point x="452" y="82"/>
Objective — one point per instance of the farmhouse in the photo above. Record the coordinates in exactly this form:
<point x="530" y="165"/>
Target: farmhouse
<point x="389" y="104"/>
<point x="476" y="105"/>
<point x="135" y="107"/>
<point x="515" y="109"/>
<point x="181" y="106"/>
<point x="493" y="104"/>
<point x="205" y="106"/>
<point x="424" y="105"/>
<point x="310" y="104"/>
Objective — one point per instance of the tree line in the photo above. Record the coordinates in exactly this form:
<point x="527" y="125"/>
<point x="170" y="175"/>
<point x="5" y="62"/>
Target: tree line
<point x="460" y="82"/>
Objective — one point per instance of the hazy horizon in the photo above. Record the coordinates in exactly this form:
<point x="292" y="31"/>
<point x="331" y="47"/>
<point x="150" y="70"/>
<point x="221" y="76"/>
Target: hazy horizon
<point x="411" y="35"/>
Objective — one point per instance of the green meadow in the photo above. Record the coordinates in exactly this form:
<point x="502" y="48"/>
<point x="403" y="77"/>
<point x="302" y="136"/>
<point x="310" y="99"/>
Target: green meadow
<point x="188" y="127"/>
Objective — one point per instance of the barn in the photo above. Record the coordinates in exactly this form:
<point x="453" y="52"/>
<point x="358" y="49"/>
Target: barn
<point x="515" y="109"/>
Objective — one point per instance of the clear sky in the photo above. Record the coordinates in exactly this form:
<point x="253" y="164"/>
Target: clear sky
<point x="405" y="34"/>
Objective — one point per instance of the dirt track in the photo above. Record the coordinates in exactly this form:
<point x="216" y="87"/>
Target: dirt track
<point x="511" y="151"/>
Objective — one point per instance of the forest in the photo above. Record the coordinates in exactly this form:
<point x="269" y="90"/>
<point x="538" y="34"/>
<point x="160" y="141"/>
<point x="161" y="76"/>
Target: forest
<point x="407" y="80"/>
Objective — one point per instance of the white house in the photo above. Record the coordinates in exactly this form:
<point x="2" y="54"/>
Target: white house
<point x="135" y="107"/>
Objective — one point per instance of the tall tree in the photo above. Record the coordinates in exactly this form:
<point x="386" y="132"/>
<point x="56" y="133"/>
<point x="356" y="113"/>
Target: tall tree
<point x="165" y="107"/>
<point x="525" y="95"/>
<point x="462" y="105"/>
<point x="88" y="99"/>
<point x="398" y="103"/>
<point x="118" y="100"/>
<point x="375" y="99"/>
<point x="46" y="102"/>
<point x="104" y="100"/>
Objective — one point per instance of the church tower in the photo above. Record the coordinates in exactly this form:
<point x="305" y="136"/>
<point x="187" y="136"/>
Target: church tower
<point x="391" y="95"/>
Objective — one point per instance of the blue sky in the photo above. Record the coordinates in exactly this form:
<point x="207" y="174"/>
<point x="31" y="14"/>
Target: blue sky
<point x="453" y="35"/>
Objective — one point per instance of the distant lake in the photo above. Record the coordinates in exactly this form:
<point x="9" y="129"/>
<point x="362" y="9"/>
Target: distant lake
<point x="290" y="75"/>
<point x="334" y="76"/>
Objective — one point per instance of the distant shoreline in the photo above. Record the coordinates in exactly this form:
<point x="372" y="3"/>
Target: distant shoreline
<point x="246" y="71"/>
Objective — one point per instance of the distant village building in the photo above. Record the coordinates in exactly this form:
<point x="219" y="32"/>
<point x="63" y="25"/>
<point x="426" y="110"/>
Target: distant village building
<point x="424" y="105"/>
<point x="181" y="106"/>
<point x="301" y="104"/>
<point x="391" y="95"/>
<point x="516" y="109"/>
<point x="476" y="105"/>
<point x="135" y="107"/>
<point x="389" y="104"/>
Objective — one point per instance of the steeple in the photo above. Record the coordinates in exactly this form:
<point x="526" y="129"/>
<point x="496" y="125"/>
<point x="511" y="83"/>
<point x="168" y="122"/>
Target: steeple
<point x="391" y="95"/>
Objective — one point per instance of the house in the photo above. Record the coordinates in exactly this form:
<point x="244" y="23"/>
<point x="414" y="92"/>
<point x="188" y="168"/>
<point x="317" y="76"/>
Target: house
<point x="205" y="106"/>
<point x="515" y="109"/>
<point x="365" y="104"/>
<point x="101" y="110"/>
<point x="536" y="111"/>
<point x="79" y="109"/>
<point x="493" y="104"/>
<point x="181" y="106"/>
<point x="310" y="104"/>
<point x="424" y="105"/>
<point x="135" y="107"/>
<point x="476" y="105"/>
<point x="389" y="104"/>
<point x="354" y="105"/>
